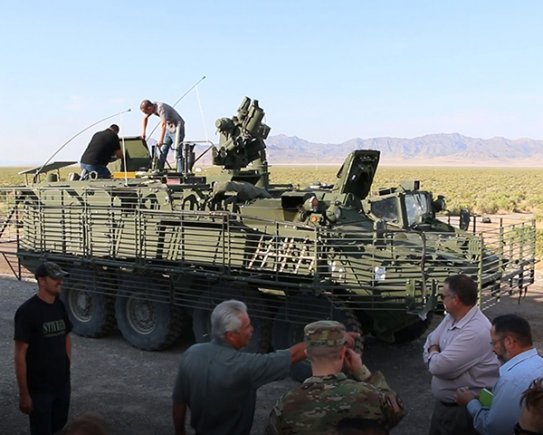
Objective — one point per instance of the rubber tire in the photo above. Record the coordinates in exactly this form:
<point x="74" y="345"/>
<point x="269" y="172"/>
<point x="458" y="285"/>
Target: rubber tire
<point x="285" y="334"/>
<point x="101" y="319"/>
<point x="167" y="320"/>
<point x="201" y="317"/>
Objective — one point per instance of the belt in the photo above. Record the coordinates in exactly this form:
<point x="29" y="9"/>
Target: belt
<point x="449" y="404"/>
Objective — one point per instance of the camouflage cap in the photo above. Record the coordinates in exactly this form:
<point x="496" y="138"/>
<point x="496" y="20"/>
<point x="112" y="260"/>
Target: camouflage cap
<point x="325" y="333"/>
<point x="48" y="268"/>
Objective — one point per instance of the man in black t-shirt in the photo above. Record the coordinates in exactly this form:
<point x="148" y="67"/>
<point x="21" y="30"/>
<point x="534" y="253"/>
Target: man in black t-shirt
<point x="43" y="352"/>
<point x="100" y="149"/>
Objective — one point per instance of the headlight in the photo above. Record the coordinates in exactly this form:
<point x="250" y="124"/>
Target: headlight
<point x="380" y="273"/>
<point x="333" y="213"/>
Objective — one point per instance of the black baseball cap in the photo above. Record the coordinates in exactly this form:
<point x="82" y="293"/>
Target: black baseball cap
<point x="50" y="269"/>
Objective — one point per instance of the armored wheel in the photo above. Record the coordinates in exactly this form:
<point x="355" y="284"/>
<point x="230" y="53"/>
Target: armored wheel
<point x="143" y="321"/>
<point x="201" y="316"/>
<point x="307" y="308"/>
<point x="91" y="314"/>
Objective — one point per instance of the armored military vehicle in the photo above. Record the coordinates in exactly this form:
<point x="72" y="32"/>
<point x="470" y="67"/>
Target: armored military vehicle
<point x="152" y="252"/>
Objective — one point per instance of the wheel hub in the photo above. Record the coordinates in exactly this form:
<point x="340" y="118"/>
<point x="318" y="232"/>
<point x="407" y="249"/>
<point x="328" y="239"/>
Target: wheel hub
<point x="81" y="305"/>
<point x="141" y="316"/>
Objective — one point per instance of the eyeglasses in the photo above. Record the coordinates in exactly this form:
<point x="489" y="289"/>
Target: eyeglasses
<point x="494" y="342"/>
<point x="443" y="296"/>
<point x="518" y="430"/>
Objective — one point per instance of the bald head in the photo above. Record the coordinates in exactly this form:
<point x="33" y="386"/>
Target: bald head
<point x="146" y="106"/>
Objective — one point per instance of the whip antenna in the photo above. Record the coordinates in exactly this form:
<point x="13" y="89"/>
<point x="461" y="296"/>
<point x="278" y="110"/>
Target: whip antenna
<point x="77" y="134"/>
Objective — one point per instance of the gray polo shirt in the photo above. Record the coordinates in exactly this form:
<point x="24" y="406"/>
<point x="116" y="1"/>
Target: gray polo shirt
<point x="169" y="115"/>
<point x="219" y="383"/>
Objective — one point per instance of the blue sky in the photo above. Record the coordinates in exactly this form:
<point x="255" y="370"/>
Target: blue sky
<point x="326" y="71"/>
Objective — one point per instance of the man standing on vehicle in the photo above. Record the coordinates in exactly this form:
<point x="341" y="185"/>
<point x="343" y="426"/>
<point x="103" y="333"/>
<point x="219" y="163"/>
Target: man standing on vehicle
<point x="458" y="354"/>
<point x="170" y="122"/>
<point x="43" y="352"/>
<point x="218" y="382"/>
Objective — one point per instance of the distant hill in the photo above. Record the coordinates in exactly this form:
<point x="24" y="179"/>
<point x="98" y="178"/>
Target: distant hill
<point x="432" y="149"/>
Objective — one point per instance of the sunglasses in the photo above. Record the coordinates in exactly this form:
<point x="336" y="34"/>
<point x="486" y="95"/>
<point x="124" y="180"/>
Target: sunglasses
<point x="518" y="430"/>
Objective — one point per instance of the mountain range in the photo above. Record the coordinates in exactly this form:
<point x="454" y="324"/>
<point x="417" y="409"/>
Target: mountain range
<point x="433" y="149"/>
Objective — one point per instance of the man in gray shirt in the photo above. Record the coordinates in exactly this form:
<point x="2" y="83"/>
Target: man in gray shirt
<point x="170" y="122"/>
<point x="458" y="354"/>
<point x="218" y="382"/>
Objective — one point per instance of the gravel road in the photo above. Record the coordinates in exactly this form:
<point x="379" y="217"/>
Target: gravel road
<point x="131" y="389"/>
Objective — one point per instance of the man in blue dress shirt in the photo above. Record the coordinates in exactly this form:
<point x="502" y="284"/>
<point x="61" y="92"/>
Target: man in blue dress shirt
<point x="512" y="343"/>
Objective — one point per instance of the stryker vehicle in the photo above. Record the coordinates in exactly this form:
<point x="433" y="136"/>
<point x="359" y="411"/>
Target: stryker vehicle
<point x="153" y="252"/>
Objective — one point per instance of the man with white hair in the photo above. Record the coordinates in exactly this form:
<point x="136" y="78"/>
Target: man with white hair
<point x="218" y="382"/>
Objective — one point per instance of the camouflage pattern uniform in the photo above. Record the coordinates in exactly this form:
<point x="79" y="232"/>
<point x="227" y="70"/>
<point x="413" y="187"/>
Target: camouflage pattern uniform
<point x="321" y="402"/>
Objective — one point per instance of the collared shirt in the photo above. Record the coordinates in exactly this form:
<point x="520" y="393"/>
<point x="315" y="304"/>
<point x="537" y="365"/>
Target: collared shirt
<point x="516" y="375"/>
<point x="218" y="383"/>
<point x="466" y="358"/>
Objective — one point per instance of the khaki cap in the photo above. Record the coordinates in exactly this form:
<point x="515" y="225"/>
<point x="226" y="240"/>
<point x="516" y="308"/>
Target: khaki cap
<point x="324" y="333"/>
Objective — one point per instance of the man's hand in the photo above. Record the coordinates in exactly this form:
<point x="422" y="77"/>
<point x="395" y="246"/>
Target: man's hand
<point x="395" y="403"/>
<point x="350" y="339"/>
<point x="25" y="403"/>
<point x="353" y="361"/>
<point x="463" y="396"/>
<point x="434" y="348"/>
<point x="179" y="411"/>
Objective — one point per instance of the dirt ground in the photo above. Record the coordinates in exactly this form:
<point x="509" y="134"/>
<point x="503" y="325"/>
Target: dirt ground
<point x="131" y="389"/>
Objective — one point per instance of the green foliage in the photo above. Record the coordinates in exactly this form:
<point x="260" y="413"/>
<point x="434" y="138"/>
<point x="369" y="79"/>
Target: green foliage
<point x="481" y="190"/>
<point x="9" y="176"/>
<point x="539" y="245"/>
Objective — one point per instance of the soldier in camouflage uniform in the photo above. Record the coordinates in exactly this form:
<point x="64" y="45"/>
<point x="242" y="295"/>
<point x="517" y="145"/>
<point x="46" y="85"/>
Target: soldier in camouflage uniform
<point x="329" y="396"/>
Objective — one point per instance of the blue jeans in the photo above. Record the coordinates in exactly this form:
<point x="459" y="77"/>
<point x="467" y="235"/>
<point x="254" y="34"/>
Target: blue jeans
<point x="169" y="139"/>
<point x="102" y="171"/>
<point x="49" y="411"/>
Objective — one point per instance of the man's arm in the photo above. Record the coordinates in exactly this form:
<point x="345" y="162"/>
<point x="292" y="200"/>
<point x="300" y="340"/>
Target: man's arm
<point x="503" y="413"/>
<point x="297" y="352"/>
<point x="391" y="405"/>
<point x="431" y="341"/>
<point x="179" y="412"/>
<point x="459" y="356"/>
<point x="144" y="126"/>
<point x="25" y="401"/>
<point x="162" y="133"/>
